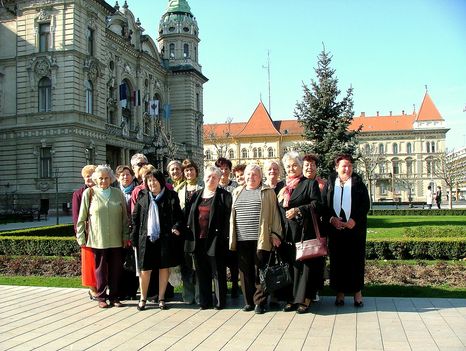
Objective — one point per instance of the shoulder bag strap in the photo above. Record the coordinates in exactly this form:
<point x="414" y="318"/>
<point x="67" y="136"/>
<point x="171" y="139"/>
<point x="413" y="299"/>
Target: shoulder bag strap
<point x="314" y="222"/>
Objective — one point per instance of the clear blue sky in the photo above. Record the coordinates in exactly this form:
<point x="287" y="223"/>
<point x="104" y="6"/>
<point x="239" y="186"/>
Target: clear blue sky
<point x="387" y="50"/>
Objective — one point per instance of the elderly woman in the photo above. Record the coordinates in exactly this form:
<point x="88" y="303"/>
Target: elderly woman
<point x="346" y="203"/>
<point x="255" y="229"/>
<point x="190" y="293"/>
<point x="207" y="238"/>
<point x="104" y="209"/>
<point x="296" y="200"/>
<point x="87" y="255"/>
<point x="310" y="162"/>
<point x="272" y="175"/>
<point x="157" y="225"/>
<point x="174" y="169"/>
<point x="127" y="182"/>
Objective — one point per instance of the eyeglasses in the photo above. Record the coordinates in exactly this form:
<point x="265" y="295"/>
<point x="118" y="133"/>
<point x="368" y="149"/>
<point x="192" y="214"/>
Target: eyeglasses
<point x="140" y="164"/>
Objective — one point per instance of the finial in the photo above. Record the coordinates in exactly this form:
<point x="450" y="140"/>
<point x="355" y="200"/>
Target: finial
<point x="138" y="22"/>
<point x="426" y="88"/>
<point x="125" y="5"/>
<point x="117" y="7"/>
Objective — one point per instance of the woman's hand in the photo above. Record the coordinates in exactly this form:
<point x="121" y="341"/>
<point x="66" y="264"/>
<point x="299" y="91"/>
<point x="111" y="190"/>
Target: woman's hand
<point x="337" y="223"/>
<point x="292" y="213"/>
<point x="350" y="224"/>
<point x="276" y="241"/>
<point x="176" y="231"/>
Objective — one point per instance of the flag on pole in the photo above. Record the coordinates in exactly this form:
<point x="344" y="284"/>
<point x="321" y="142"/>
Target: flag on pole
<point x="154" y="108"/>
<point x="167" y="110"/>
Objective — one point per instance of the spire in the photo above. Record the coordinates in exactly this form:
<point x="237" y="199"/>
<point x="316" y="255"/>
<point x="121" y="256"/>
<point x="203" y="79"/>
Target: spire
<point x="178" y="6"/>
<point x="428" y="110"/>
<point x="260" y="123"/>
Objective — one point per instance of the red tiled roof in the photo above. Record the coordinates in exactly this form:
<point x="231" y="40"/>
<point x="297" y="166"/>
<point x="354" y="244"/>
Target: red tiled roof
<point x="428" y="111"/>
<point x="383" y="123"/>
<point x="259" y="123"/>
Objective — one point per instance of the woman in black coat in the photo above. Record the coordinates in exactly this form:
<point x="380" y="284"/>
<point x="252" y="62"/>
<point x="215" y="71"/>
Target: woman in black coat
<point x="207" y="238"/>
<point x="346" y="202"/>
<point x="157" y="226"/>
<point x="295" y="201"/>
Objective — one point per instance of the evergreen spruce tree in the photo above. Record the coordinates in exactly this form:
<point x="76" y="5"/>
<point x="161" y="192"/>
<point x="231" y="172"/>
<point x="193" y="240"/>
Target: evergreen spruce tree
<point x="324" y="119"/>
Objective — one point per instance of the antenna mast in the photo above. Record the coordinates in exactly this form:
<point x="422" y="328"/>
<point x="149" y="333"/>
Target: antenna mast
<point x="268" y="79"/>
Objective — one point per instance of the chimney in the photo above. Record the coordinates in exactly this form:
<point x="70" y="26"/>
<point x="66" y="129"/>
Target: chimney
<point x="403" y="112"/>
<point x="390" y="113"/>
<point x="377" y="113"/>
<point x="363" y="114"/>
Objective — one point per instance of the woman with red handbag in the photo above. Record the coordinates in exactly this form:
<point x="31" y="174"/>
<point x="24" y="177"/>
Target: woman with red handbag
<point x="346" y="202"/>
<point x="295" y="201"/>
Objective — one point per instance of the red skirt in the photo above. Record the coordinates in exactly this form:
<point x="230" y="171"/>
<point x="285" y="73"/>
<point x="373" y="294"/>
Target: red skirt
<point x="88" y="267"/>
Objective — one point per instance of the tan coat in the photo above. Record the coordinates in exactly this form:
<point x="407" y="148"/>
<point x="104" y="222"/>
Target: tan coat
<point x="269" y="222"/>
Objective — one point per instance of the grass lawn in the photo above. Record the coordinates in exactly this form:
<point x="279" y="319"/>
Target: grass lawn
<point x="392" y="226"/>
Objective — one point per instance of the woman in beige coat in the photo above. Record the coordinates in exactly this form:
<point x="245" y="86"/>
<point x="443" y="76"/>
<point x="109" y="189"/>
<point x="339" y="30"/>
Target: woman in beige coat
<point x="255" y="228"/>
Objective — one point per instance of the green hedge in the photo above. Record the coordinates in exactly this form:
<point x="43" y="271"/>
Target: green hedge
<point x="418" y="212"/>
<point x="444" y="231"/>
<point x="416" y="248"/>
<point x="38" y="246"/>
<point x="61" y="230"/>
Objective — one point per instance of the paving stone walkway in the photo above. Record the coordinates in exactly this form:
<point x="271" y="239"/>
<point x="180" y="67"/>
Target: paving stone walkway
<point x="38" y="318"/>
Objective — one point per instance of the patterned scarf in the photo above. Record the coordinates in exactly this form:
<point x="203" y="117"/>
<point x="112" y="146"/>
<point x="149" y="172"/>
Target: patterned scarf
<point x="291" y="184"/>
<point x="153" y="219"/>
<point x="178" y="184"/>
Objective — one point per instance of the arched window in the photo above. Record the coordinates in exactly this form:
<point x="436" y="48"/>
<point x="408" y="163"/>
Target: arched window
<point x="244" y="153"/>
<point x="45" y="95"/>
<point x="382" y="168"/>
<point x="254" y="152"/>
<point x="89" y="92"/>
<point x="231" y="154"/>
<point x="259" y="152"/>
<point x="208" y="155"/>
<point x="172" y="50"/>
<point x="428" y="146"/>
<point x="367" y="149"/>
<point x="409" y="149"/>
<point x="395" y="148"/>
<point x="270" y="152"/>
<point x="185" y="50"/>
<point x="381" y="149"/>
<point x="432" y="146"/>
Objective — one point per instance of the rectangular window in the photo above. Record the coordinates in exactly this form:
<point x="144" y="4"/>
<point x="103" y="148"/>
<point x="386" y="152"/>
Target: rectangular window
<point x="90" y="41"/>
<point x="45" y="95"/>
<point x="44" y="37"/>
<point x="45" y="162"/>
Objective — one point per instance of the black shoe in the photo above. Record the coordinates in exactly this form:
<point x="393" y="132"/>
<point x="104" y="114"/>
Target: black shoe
<point x="141" y="305"/>
<point x="339" y="302"/>
<point x="218" y="308"/>
<point x="289" y="307"/>
<point x="358" y="303"/>
<point x="302" y="309"/>
<point x="203" y="307"/>
<point x="259" y="309"/>
<point x="248" y="308"/>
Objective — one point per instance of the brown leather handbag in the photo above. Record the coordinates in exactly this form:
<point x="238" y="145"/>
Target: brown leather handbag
<point x="312" y="248"/>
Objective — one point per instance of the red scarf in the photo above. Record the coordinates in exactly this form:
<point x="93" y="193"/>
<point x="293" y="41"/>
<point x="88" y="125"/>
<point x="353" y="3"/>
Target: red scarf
<point x="291" y="184"/>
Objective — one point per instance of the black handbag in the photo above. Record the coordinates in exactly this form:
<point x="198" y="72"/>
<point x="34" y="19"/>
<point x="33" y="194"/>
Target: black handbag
<point x="129" y="263"/>
<point x="275" y="275"/>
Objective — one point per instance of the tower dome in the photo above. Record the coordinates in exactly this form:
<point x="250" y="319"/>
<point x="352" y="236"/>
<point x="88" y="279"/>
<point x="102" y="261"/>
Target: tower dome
<point x="179" y="35"/>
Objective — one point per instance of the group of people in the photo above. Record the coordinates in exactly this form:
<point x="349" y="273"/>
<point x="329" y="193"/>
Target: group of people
<point x="431" y="197"/>
<point x="207" y="227"/>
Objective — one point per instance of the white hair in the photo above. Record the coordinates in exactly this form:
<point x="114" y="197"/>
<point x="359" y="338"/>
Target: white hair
<point x="138" y="157"/>
<point x="294" y="156"/>
<point x="253" y="167"/>
<point x="212" y="169"/>
<point x="103" y="169"/>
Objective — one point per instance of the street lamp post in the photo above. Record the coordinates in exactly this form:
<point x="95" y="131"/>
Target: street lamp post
<point x="56" y="195"/>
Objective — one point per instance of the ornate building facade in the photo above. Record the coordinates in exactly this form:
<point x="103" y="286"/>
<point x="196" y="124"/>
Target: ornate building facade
<point x="397" y="152"/>
<point x="80" y="83"/>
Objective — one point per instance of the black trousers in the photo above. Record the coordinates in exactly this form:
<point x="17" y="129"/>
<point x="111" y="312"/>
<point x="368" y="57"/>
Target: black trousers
<point x="208" y="269"/>
<point x="250" y="260"/>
